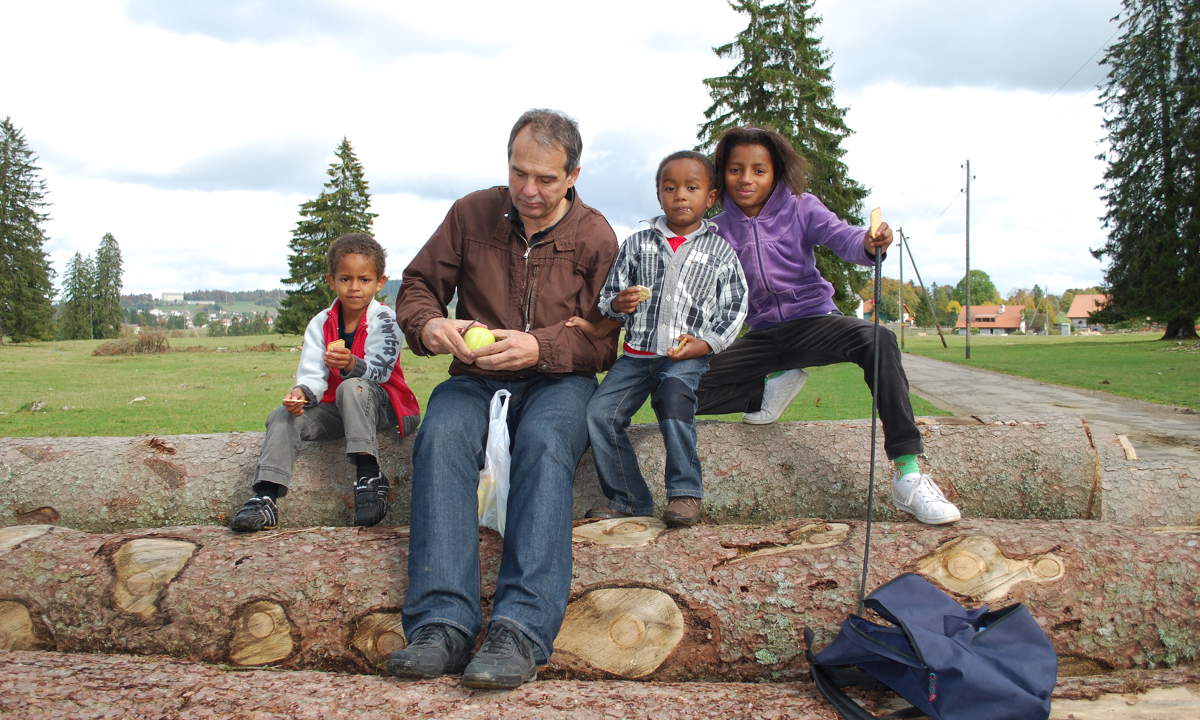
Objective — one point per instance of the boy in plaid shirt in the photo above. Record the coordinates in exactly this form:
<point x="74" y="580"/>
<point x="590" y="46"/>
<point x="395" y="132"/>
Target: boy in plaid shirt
<point x="680" y="291"/>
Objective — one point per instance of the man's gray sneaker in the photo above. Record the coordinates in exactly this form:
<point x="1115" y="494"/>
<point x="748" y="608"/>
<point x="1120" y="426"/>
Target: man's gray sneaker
<point x="505" y="660"/>
<point x="917" y="494"/>
<point x="435" y="649"/>
<point x="259" y="513"/>
<point x="777" y="395"/>
<point x="371" y="500"/>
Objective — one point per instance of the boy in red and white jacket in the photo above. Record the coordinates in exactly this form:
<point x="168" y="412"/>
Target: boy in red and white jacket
<point x="348" y="384"/>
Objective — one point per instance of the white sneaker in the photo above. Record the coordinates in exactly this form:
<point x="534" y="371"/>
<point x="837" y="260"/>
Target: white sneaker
<point x="777" y="395"/>
<point x="917" y="494"/>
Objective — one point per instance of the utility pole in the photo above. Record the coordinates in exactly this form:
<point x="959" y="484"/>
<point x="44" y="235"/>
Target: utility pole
<point x="900" y="299"/>
<point x="924" y="290"/>
<point x="967" y="311"/>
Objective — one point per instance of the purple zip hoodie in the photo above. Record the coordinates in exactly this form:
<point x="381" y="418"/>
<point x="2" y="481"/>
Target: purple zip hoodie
<point x="776" y="252"/>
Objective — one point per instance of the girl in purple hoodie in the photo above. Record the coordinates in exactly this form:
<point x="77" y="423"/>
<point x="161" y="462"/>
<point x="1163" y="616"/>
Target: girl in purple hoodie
<point x="773" y="225"/>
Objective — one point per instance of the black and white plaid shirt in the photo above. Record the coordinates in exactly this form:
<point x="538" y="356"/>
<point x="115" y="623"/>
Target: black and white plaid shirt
<point x="698" y="289"/>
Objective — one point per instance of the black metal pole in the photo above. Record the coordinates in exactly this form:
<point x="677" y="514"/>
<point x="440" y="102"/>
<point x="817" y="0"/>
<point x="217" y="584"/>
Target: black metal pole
<point x="862" y="583"/>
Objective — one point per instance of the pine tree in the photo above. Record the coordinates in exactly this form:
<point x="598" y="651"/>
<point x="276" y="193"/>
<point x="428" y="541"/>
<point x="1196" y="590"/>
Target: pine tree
<point x="75" y="320"/>
<point x="106" y="291"/>
<point x="1151" y="102"/>
<point x="782" y="80"/>
<point x="343" y="207"/>
<point x="26" y="287"/>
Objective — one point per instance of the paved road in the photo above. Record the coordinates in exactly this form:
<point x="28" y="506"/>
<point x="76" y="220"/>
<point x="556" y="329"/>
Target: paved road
<point x="1154" y="430"/>
<point x="1166" y="439"/>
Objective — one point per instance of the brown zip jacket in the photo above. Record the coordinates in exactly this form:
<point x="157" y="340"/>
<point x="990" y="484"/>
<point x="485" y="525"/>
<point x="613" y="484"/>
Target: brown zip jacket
<point x="503" y="283"/>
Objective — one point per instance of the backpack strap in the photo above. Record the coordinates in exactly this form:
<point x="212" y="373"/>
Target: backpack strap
<point x="829" y="682"/>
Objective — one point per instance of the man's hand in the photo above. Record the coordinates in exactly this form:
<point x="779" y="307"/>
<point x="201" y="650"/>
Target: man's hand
<point x="444" y="335"/>
<point x="294" y="402"/>
<point x="339" y="358"/>
<point x="513" y="350"/>
<point x="879" y="241"/>
<point x="627" y="300"/>
<point x="689" y="347"/>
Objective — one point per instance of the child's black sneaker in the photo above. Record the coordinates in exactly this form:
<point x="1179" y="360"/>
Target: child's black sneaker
<point x="371" y="500"/>
<point x="259" y="513"/>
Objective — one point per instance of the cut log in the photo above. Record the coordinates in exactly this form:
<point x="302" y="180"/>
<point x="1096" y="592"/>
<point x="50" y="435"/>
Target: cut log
<point x="56" y="686"/>
<point x="751" y="474"/>
<point x="709" y="602"/>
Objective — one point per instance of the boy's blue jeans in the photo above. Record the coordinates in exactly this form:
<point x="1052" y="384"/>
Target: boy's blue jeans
<point x="548" y="436"/>
<point x="672" y="387"/>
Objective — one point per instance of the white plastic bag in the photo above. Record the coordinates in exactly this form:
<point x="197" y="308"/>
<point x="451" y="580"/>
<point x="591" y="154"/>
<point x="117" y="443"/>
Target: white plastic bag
<point x="492" y="494"/>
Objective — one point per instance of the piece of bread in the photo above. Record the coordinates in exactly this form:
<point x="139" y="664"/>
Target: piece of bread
<point x="876" y="219"/>
<point x="682" y="341"/>
<point x="336" y="344"/>
<point x="643" y="293"/>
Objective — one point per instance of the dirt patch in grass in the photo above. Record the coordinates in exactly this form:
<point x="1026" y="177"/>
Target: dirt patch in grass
<point x="147" y="342"/>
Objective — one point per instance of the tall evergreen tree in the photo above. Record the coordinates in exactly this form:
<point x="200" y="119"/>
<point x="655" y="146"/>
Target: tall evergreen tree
<point x="26" y="287"/>
<point x="106" y="291"/>
<point x="1151" y="102"/>
<point x="75" y="319"/>
<point x="782" y="80"/>
<point x="344" y="206"/>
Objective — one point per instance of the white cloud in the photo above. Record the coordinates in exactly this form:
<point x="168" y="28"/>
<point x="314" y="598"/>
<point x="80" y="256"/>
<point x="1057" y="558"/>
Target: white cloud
<point x="193" y="130"/>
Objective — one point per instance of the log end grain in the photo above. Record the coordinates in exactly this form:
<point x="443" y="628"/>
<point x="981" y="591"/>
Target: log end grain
<point x="143" y="568"/>
<point x="620" y="532"/>
<point x="627" y="632"/>
<point x="10" y="537"/>
<point x="262" y="634"/>
<point x="16" y="627"/>
<point x="974" y="566"/>
<point x="378" y="635"/>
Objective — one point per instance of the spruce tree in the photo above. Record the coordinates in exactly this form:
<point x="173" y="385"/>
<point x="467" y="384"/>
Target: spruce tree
<point x="75" y="318"/>
<point x="343" y="207"/>
<point x="106" y="291"/>
<point x="782" y="80"/>
<point x="1151" y="102"/>
<point x="26" y="287"/>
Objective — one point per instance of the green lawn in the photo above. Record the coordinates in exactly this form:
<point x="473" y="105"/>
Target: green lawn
<point x="1136" y="365"/>
<point x="233" y="389"/>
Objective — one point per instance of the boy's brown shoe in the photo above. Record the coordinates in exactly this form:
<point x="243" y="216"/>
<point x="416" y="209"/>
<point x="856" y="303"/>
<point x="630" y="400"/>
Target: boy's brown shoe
<point x="683" y="512"/>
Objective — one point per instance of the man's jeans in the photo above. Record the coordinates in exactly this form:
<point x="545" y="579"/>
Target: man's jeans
<point x="672" y="387"/>
<point x="548" y="436"/>
<point x="361" y="409"/>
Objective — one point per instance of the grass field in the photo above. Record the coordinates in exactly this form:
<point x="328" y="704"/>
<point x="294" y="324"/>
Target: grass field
<point x="1136" y="365"/>
<point x="234" y="389"/>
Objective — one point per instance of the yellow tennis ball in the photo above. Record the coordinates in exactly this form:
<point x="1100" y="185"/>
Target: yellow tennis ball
<point x="477" y="336"/>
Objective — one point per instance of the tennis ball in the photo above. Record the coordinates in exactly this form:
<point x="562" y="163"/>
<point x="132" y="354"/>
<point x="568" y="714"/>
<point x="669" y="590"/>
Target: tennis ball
<point x="477" y="336"/>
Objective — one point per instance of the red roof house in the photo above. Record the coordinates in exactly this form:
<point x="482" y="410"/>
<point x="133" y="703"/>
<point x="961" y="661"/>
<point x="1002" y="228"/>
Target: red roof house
<point x="992" y="319"/>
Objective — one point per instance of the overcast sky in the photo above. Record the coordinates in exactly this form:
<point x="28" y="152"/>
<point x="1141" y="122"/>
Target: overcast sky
<point x="192" y="130"/>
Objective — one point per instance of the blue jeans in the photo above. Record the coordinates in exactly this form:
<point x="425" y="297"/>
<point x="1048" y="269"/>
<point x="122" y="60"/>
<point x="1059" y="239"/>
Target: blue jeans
<point x="548" y="436"/>
<point x="672" y="387"/>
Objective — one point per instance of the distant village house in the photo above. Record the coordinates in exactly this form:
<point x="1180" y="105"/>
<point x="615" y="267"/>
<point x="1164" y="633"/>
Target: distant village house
<point x="992" y="319"/>
<point x="1082" y="306"/>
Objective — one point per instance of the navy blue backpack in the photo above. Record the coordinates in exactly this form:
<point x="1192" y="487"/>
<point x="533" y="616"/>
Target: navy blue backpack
<point x="949" y="662"/>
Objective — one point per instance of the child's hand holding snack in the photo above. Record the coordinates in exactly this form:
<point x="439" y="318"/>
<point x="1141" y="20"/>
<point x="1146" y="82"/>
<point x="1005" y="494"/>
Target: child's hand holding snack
<point x="338" y="356"/>
<point x="294" y="402"/>
<point x="628" y="299"/>
<point x="689" y="347"/>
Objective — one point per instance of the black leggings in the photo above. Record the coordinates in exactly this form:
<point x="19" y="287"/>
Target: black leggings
<point x="734" y="381"/>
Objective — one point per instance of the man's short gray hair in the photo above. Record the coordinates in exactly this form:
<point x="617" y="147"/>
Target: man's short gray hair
<point x="552" y="129"/>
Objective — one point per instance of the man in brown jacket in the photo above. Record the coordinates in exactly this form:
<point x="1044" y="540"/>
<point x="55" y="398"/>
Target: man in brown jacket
<point x="522" y="260"/>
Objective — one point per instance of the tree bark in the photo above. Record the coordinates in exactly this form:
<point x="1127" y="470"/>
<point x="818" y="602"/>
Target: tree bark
<point x="751" y="474"/>
<point x="56" y="686"/>
<point x="729" y="602"/>
<point x="1180" y="328"/>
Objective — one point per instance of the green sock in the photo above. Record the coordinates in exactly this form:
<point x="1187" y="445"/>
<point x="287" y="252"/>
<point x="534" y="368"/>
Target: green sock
<point x="906" y="464"/>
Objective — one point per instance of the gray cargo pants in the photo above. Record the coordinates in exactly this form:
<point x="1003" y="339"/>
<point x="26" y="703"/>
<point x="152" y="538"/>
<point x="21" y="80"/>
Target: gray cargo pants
<point x="360" y="410"/>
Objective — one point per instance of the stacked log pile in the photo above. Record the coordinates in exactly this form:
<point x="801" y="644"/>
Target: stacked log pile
<point x="683" y="612"/>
